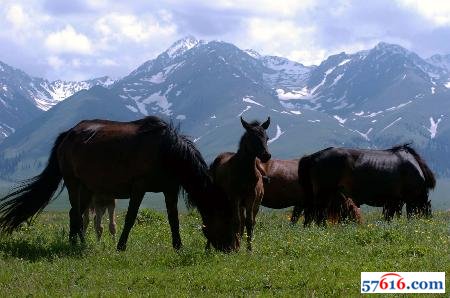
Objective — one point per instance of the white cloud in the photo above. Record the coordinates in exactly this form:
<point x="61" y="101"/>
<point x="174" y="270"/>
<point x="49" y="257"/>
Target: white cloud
<point x="284" y="38"/>
<point x="437" y="11"/>
<point x="117" y="27"/>
<point x="55" y="62"/>
<point x="285" y="8"/>
<point x="68" y="41"/>
<point x="107" y="62"/>
<point x="17" y="17"/>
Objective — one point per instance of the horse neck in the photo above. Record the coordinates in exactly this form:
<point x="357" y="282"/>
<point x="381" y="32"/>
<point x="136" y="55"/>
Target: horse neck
<point x="245" y="162"/>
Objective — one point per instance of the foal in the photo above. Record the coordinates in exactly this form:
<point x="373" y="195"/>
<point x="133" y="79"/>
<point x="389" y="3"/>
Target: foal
<point x="99" y="204"/>
<point x="238" y="175"/>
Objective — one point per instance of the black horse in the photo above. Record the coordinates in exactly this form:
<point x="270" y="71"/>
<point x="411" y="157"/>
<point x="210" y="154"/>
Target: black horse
<point x="123" y="160"/>
<point x="382" y="178"/>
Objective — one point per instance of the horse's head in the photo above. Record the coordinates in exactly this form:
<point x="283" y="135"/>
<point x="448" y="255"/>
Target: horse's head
<point x="255" y="139"/>
<point x="217" y="226"/>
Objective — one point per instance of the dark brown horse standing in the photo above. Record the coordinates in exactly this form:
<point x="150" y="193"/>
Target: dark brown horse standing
<point x="281" y="187"/>
<point x="382" y="178"/>
<point x="123" y="159"/>
<point x="238" y="175"/>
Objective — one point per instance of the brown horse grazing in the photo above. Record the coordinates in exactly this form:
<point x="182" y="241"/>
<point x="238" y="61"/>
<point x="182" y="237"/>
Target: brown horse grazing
<point x="382" y="178"/>
<point x="281" y="187"/>
<point x="238" y="175"/>
<point x="98" y="206"/>
<point x="123" y="159"/>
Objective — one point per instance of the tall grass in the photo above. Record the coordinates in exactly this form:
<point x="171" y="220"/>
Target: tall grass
<point x="287" y="260"/>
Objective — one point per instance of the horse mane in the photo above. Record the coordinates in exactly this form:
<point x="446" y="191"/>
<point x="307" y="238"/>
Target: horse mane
<point x="430" y="179"/>
<point x="184" y="160"/>
<point x="404" y="146"/>
<point x="151" y="123"/>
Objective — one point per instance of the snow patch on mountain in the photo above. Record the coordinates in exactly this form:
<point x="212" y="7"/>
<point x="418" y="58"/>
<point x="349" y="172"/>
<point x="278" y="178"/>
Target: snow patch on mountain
<point x="283" y="72"/>
<point x="344" y="62"/>
<point x="338" y="77"/>
<point x="182" y="46"/>
<point x="326" y="74"/>
<point x="46" y="94"/>
<point x="278" y="134"/>
<point x="243" y="111"/>
<point x="433" y="127"/>
<point x="389" y="125"/>
<point x="162" y="104"/>
<point x="399" y="106"/>
<point x="253" y="53"/>
<point x="364" y="135"/>
<point x="293" y="94"/>
<point x="131" y="108"/>
<point x="161" y="76"/>
<point x="339" y="119"/>
<point x="249" y="100"/>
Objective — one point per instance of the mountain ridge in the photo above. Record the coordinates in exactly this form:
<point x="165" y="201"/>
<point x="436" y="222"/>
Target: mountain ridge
<point x="375" y="98"/>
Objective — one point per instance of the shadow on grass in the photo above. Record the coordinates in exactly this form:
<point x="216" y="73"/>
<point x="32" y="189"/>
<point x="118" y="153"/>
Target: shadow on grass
<point x="38" y="248"/>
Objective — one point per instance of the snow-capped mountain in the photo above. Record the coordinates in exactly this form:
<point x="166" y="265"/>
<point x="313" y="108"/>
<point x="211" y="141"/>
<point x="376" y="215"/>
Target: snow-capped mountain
<point x="23" y="97"/>
<point x="385" y="76"/>
<point x="442" y="61"/>
<point x="374" y="98"/>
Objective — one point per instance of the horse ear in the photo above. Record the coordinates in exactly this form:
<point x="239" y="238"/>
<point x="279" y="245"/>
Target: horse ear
<point x="266" y="124"/>
<point x="245" y="124"/>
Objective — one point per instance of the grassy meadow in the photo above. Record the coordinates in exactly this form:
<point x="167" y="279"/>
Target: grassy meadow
<point x="287" y="260"/>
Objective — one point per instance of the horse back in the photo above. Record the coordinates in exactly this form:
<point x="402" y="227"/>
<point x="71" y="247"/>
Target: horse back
<point x="382" y="174"/>
<point x="283" y="189"/>
<point x="220" y="169"/>
<point x="330" y="168"/>
<point x="109" y="156"/>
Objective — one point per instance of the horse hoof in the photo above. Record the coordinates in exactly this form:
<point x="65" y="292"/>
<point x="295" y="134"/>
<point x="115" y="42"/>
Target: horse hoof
<point x="73" y="240"/>
<point x="121" y="247"/>
<point x="177" y="245"/>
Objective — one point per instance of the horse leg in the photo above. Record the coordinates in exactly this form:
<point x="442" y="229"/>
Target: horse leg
<point x="308" y="216"/>
<point x="99" y="212"/>
<point x="85" y="220"/>
<point x="130" y="218"/>
<point x="76" y="224"/>
<point x="85" y="201"/>
<point x="242" y="221"/>
<point x="236" y="219"/>
<point x="389" y="211"/>
<point x="321" y="208"/>
<point x="296" y="214"/>
<point x="112" y="218"/>
<point x="409" y="210"/>
<point x="171" y="198"/>
<point x="250" y="221"/>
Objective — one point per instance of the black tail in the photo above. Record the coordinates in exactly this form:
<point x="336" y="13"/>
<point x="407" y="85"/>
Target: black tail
<point x="430" y="180"/>
<point x="29" y="198"/>
<point x="304" y="177"/>
<point x="187" y="165"/>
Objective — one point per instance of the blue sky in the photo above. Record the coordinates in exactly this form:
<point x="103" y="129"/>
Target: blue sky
<point x="81" y="39"/>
